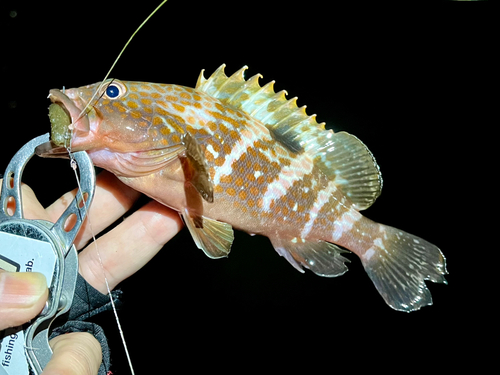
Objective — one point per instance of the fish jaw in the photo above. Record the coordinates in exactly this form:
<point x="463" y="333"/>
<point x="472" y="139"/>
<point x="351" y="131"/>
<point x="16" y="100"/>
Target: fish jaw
<point x="83" y="125"/>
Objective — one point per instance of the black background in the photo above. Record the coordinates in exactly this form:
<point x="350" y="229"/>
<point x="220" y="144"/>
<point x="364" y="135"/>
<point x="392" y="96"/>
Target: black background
<point x="408" y="82"/>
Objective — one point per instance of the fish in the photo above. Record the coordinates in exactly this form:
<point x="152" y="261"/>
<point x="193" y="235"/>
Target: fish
<point x="230" y="153"/>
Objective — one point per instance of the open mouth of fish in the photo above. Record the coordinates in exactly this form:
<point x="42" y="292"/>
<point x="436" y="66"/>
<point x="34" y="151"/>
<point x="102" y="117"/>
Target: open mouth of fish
<point x="64" y="116"/>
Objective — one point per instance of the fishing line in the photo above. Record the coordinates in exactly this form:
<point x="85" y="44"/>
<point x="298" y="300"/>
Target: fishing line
<point x="116" y="60"/>
<point x="74" y="166"/>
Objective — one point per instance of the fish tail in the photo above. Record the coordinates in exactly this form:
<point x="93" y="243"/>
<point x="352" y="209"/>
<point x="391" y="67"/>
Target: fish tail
<point x="398" y="263"/>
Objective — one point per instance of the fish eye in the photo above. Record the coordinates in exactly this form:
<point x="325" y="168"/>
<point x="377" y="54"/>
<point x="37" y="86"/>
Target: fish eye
<point x="114" y="89"/>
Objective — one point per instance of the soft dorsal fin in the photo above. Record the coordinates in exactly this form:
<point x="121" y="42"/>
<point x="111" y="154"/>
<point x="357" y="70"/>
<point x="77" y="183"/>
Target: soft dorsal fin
<point x="341" y="156"/>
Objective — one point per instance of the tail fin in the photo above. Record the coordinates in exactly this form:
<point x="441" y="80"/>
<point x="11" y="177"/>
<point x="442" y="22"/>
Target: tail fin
<point x="398" y="263"/>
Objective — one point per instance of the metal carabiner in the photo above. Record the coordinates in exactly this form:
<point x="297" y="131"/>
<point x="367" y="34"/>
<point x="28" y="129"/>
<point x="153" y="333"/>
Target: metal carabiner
<point x="41" y="246"/>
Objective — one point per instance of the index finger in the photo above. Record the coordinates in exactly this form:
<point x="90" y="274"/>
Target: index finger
<point x="112" y="199"/>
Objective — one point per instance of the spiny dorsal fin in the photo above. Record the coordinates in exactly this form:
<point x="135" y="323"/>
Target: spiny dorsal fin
<point x="341" y="156"/>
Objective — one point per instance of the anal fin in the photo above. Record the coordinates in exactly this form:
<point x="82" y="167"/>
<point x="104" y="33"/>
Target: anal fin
<point x="322" y="258"/>
<point x="214" y="238"/>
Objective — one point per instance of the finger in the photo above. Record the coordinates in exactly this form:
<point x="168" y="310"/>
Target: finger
<point x="129" y="246"/>
<point x="111" y="200"/>
<point x="77" y="353"/>
<point x="22" y="297"/>
<point x="32" y="209"/>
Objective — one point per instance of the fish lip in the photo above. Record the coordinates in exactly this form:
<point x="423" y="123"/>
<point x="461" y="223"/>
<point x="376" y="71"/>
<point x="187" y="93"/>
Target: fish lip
<point x="51" y="150"/>
<point x="78" y="123"/>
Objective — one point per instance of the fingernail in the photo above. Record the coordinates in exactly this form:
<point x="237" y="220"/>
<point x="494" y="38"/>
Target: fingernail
<point x="21" y="289"/>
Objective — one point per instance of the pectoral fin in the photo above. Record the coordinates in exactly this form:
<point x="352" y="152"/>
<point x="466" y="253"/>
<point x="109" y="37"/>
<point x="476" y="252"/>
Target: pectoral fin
<point x="214" y="238"/>
<point x="195" y="168"/>
<point x="197" y="184"/>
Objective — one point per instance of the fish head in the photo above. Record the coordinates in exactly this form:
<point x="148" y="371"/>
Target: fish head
<point x="106" y="114"/>
<point x="114" y="121"/>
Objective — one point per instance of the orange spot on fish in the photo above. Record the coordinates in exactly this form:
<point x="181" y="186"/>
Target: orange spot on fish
<point x="146" y="101"/>
<point x="171" y="98"/>
<point x="155" y="95"/>
<point x="212" y="125"/>
<point x="161" y="111"/>
<point x="234" y="135"/>
<point x="218" y="189"/>
<point x="133" y="96"/>
<point x="225" y="118"/>
<point x="178" y="107"/>
<point x="250" y="177"/>
<point x="119" y="106"/>
<point x="254" y="190"/>
<point x="173" y="124"/>
<point x="242" y="195"/>
<point x="176" y="138"/>
<point x="285" y="162"/>
<point x="227" y="148"/>
<point x="239" y="181"/>
<point x="191" y="120"/>
<point x="185" y="95"/>
<point x="211" y="170"/>
<point x="135" y="114"/>
<point x="223" y="129"/>
<point x="196" y="97"/>
<point x="220" y="107"/>
<point x="132" y="104"/>
<point x="219" y="161"/>
<point x="230" y="191"/>
<point x="227" y="179"/>
<point x="158" y="88"/>
<point x="209" y="156"/>
<point x="165" y="130"/>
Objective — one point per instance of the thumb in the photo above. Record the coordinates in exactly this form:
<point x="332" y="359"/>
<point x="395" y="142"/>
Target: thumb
<point x="76" y="353"/>
<point x="22" y="297"/>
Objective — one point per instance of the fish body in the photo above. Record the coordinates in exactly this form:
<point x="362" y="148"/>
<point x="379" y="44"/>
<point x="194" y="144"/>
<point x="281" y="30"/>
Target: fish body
<point x="230" y="153"/>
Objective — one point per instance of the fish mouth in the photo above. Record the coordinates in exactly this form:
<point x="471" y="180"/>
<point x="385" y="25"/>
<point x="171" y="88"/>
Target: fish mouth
<point x="67" y="120"/>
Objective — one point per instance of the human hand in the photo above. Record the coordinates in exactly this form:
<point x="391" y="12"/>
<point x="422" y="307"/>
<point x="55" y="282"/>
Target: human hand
<point x="123" y="250"/>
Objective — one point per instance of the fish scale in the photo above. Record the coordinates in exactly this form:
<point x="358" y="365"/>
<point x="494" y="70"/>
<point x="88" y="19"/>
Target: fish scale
<point x="231" y="153"/>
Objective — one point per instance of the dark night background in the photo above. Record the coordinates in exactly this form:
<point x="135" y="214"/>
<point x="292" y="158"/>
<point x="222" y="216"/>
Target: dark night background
<point x="407" y="82"/>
